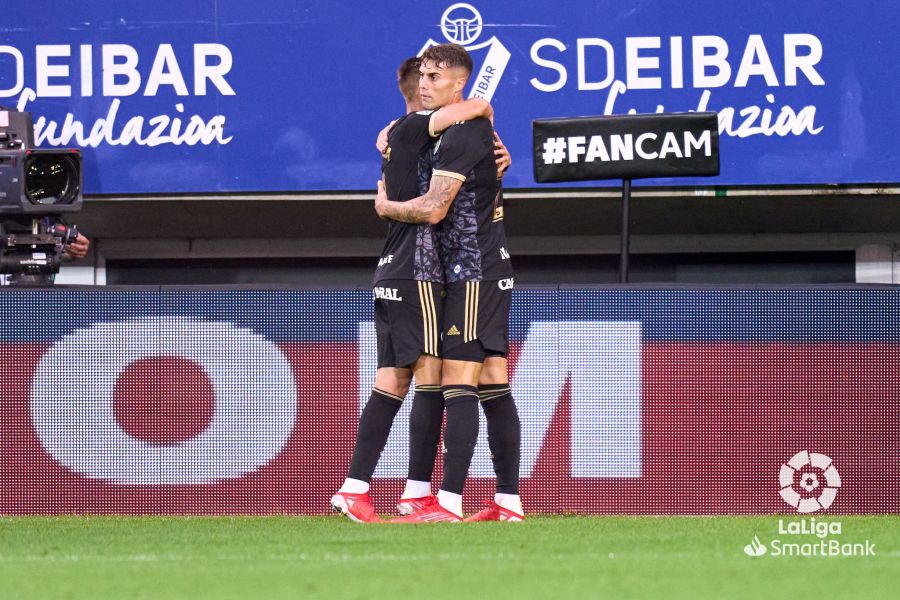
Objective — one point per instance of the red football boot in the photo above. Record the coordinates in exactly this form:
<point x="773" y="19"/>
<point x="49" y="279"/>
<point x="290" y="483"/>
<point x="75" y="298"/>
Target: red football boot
<point x="407" y="506"/>
<point x="358" y="507"/>
<point x="430" y="512"/>
<point x="495" y="512"/>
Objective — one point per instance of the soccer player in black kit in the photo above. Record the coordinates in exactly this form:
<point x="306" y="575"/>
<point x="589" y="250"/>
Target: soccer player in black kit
<point x="464" y="196"/>
<point x="407" y="290"/>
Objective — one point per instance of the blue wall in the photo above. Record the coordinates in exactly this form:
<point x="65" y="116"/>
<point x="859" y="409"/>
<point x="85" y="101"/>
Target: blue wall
<point x="295" y="91"/>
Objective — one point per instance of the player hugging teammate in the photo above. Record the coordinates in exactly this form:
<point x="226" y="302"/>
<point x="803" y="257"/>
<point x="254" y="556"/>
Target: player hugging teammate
<point x="442" y="292"/>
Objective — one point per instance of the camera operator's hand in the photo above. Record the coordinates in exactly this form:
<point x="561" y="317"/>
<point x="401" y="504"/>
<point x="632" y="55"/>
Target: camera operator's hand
<point x="77" y="249"/>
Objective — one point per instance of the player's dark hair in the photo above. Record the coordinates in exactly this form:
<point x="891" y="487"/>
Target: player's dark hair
<point x="447" y="56"/>
<point x="408" y="78"/>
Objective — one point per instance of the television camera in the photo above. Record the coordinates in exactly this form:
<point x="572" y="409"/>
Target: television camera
<point x="37" y="187"/>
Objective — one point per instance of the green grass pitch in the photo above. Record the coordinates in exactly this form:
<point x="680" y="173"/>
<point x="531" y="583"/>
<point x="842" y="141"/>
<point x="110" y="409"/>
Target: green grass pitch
<point x="330" y="557"/>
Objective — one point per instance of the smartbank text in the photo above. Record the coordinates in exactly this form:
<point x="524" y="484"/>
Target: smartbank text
<point x="824" y="546"/>
<point x="821" y="548"/>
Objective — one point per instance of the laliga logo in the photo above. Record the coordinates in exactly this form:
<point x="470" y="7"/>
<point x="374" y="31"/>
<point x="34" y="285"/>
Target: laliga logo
<point x="809" y="482"/>
<point x="461" y="24"/>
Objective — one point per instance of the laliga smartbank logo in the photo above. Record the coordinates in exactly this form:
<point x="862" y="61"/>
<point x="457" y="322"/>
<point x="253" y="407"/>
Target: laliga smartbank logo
<point x="808" y="483"/>
<point x="462" y="24"/>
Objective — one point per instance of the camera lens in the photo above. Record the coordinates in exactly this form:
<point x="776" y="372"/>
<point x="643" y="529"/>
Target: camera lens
<point x="51" y="179"/>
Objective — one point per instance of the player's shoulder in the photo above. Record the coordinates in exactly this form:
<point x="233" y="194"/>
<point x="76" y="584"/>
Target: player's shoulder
<point x="476" y="130"/>
<point x="478" y="125"/>
<point x="420" y="118"/>
<point x="410" y="127"/>
<point x="413" y="119"/>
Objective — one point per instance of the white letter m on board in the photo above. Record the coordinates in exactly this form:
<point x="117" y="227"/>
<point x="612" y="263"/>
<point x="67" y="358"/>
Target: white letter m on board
<point x="601" y="360"/>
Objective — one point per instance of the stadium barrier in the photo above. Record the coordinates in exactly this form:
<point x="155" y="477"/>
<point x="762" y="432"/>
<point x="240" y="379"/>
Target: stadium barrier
<point x="643" y="400"/>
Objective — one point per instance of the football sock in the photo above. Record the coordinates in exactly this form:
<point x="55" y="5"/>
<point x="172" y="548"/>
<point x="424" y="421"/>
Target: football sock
<point x="374" y="426"/>
<point x="460" y="435"/>
<point x="416" y="489"/>
<point x="510" y="502"/>
<point x="424" y="433"/>
<point x="354" y="486"/>
<point x="504" y="435"/>
<point x="451" y="501"/>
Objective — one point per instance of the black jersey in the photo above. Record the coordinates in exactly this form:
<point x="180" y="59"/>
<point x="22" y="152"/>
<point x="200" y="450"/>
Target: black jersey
<point x="411" y="251"/>
<point x="472" y="235"/>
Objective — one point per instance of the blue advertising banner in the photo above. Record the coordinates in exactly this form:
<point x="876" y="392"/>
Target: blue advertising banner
<point x="222" y="95"/>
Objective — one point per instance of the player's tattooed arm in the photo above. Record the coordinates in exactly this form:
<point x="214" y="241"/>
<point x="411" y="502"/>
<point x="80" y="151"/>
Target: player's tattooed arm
<point x="429" y="208"/>
<point x="466" y="110"/>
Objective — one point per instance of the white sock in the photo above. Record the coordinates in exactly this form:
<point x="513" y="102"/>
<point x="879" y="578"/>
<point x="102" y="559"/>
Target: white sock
<point x="354" y="486"/>
<point x="510" y="502"/>
<point x="451" y="501"/>
<point x="416" y="489"/>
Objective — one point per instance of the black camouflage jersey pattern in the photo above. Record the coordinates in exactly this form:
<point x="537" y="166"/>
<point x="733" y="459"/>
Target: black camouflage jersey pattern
<point x="472" y="236"/>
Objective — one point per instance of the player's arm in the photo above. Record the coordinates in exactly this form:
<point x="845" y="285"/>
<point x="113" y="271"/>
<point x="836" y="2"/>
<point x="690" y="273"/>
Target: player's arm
<point x="429" y="208"/>
<point x="381" y="142"/>
<point x="504" y="160"/>
<point x="443" y="118"/>
<point x="466" y="110"/>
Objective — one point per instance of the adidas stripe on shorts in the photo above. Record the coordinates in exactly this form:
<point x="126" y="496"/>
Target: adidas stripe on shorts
<point x="476" y="319"/>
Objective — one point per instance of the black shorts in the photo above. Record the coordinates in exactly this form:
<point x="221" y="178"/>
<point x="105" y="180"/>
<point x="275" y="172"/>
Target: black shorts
<point x="476" y="319"/>
<point x="407" y="320"/>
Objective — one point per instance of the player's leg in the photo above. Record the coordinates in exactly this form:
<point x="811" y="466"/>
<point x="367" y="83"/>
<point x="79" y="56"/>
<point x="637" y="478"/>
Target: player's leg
<point x="428" y="403"/>
<point x="375" y="422"/>
<point x="392" y="382"/>
<point x="504" y="439"/>
<point x="459" y="385"/>
<point x="425" y="420"/>
<point x="462" y="357"/>
<point x="391" y="386"/>
<point x="503" y="425"/>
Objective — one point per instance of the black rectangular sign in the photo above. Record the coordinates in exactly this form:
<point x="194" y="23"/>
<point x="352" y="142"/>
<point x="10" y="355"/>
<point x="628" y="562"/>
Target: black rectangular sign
<point x="626" y="147"/>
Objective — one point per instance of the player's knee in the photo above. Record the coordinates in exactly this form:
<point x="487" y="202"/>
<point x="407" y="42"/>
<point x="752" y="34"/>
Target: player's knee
<point x="494" y="371"/>
<point x="427" y="370"/>
<point x="393" y="381"/>
<point x="460" y="372"/>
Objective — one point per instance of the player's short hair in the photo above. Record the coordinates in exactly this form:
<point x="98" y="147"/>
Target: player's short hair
<point x="408" y="78"/>
<point x="447" y="56"/>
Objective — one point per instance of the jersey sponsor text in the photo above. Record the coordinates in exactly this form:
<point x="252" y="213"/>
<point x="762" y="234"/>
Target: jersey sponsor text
<point x="386" y="293"/>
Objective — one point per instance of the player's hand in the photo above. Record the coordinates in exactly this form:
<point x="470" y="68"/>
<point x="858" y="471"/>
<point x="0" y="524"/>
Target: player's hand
<point x="381" y="142"/>
<point x="381" y="199"/>
<point x="77" y="249"/>
<point x="504" y="160"/>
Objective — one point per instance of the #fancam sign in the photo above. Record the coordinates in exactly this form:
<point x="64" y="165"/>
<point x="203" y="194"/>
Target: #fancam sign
<point x="625" y="147"/>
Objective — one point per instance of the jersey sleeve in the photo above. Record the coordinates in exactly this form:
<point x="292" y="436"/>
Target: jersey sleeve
<point x="462" y="147"/>
<point x="411" y="129"/>
<point x="408" y="133"/>
<point x="432" y="125"/>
